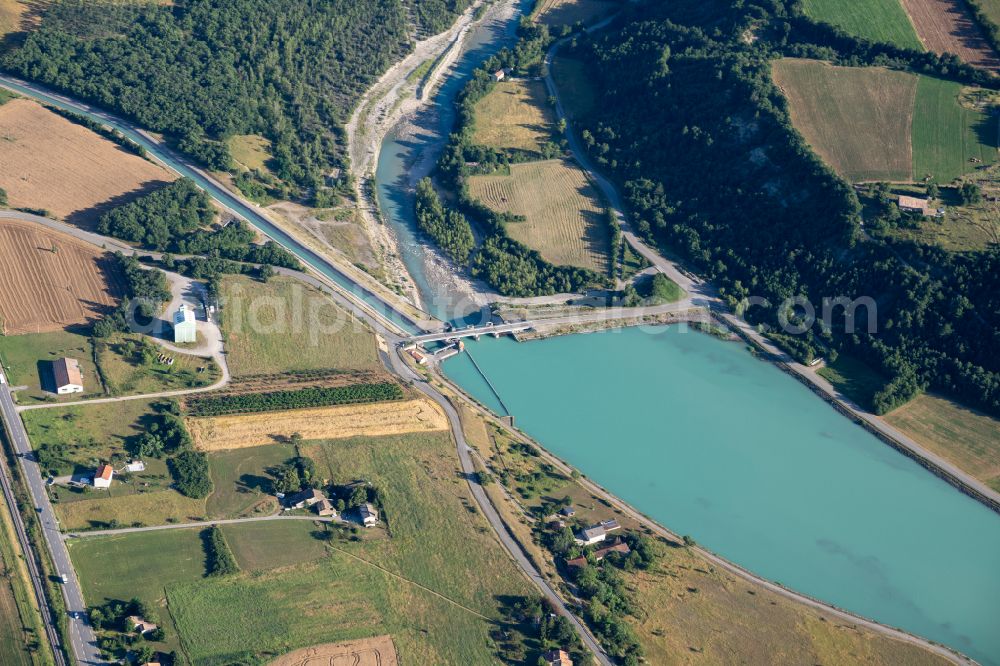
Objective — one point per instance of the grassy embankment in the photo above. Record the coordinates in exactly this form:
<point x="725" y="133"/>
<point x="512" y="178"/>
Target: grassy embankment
<point x="283" y="326"/>
<point x="299" y="588"/>
<point x="876" y="20"/>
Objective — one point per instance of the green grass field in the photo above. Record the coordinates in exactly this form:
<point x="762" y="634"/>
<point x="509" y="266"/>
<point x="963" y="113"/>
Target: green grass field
<point x="284" y="326"/>
<point x="90" y="433"/>
<point x="857" y="119"/>
<point x="992" y="9"/>
<point x="22" y="639"/>
<point x="125" y="374"/>
<point x="426" y="584"/>
<point x="25" y="359"/>
<point x="871" y="123"/>
<point x="251" y="151"/>
<point x="241" y="481"/>
<point x="853" y="378"/>
<point x="947" y="135"/>
<point x="877" y="20"/>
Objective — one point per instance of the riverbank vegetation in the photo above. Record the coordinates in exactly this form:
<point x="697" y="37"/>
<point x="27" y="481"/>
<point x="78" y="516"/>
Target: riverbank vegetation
<point x="712" y="167"/>
<point x="203" y="72"/>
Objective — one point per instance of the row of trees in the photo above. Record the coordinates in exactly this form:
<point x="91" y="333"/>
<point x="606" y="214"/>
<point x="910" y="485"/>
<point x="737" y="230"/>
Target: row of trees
<point x="691" y="108"/>
<point x="246" y="403"/>
<point x="219" y="559"/>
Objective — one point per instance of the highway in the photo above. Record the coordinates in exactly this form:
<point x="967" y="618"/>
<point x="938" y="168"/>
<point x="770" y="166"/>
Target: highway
<point x="83" y="642"/>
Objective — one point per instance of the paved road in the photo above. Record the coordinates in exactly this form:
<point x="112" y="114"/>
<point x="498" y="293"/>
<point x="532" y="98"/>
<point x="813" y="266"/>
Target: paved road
<point x="81" y="634"/>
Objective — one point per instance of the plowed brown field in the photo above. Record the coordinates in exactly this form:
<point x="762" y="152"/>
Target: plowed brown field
<point x="946" y="26"/>
<point x="45" y="290"/>
<point x="378" y="651"/>
<point x="50" y="163"/>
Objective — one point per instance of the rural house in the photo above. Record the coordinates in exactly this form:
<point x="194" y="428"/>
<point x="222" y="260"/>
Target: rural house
<point x="596" y="533"/>
<point x="913" y="204"/>
<point x="557" y="658"/>
<point x="67" y="375"/>
<point x="304" y="498"/>
<point x="591" y="535"/>
<point x="140" y="625"/>
<point x="568" y="511"/>
<point x="325" y="507"/>
<point x="102" y="479"/>
<point x="185" y="327"/>
<point x="499" y="75"/>
<point x="600" y="554"/>
<point x="369" y="514"/>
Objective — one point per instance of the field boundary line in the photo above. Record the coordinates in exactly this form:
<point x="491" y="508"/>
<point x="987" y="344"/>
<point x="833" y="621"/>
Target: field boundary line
<point x="412" y="582"/>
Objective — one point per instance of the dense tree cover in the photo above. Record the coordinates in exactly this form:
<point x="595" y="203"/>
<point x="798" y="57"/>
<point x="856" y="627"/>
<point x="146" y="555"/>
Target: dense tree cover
<point x="145" y="291"/>
<point x="246" y="403"/>
<point x="447" y="227"/>
<point x="204" y="70"/>
<point x="190" y="472"/>
<point x="117" y="636"/>
<point x="700" y="141"/>
<point x="294" y="475"/>
<point x="157" y="219"/>
<point x="164" y="435"/>
<point x="173" y="219"/>
<point x="3" y="197"/>
<point x="219" y="559"/>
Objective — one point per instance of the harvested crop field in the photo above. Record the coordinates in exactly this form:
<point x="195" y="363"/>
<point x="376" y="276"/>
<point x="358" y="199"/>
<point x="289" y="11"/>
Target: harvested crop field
<point x="216" y="433"/>
<point x="50" y="280"/>
<point x="856" y="119"/>
<point x="378" y="651"/>
<point x="945" y="26"/>
<point x="514" y="115"/>
<point x="877" y="20"/>
<point x="568" y="12"/>
<point x="52" y="164"/>
<point x="564" y="219"/>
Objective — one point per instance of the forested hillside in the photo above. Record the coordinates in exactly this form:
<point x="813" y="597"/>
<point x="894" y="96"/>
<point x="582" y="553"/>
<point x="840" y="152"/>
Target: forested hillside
<point x="700" y="140"/>
<point x="204" y="70"/>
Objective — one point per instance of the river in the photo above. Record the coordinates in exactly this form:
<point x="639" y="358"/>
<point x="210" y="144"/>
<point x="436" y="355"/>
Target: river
<point x="711" y="442"/>
<point x="403" y="160"/>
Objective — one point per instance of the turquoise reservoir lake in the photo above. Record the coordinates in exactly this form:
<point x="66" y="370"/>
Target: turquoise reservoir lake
<point x="714" y="443"/>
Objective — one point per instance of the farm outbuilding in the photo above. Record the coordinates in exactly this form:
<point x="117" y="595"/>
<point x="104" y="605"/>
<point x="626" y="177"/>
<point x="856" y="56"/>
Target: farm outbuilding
<point x="914" y="204"/>
<point x="67" y="375"/>
<point x="185" y="327"/>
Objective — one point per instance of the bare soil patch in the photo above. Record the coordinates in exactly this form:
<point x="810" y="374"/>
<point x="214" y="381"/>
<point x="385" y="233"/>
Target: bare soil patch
<point x="50" y="163"/>
<point x="945" y="26"/>
<point x="218" y="433"/>
<point x="49" y="280"/>
<point x="378" y="651"/>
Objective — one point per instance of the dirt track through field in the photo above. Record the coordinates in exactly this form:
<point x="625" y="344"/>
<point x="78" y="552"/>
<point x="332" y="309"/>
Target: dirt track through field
<point x="945" y="26"/>
<point x="217" y="433"/>
<point x="52" y="164"/>
<point x="50" y="280"/>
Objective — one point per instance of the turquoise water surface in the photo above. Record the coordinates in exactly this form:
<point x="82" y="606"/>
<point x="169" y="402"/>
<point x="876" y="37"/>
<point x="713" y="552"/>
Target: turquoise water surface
<point x="711" y="442"/>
